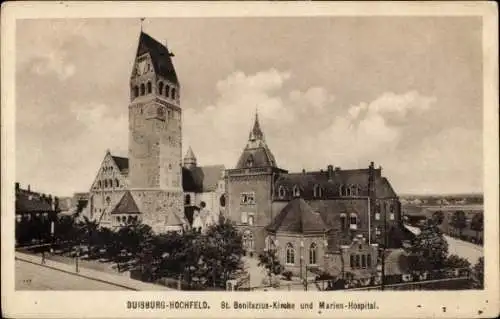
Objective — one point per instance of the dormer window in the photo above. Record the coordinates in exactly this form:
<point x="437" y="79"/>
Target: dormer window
<point x="143" y="89"/>
<point x="317" y="191"/>
<point x="136" y="91"/>
<point x="150" y="89"/>
<point x="296" y="191"/>
<point x="250" y="161"/>
<point x="282" y="192"/>
<point x="173" y="94"/>
<point x="167" y="91"/>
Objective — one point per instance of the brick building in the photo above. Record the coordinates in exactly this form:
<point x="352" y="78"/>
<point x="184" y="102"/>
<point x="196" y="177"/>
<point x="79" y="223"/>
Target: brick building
<point x="344" y="204"/>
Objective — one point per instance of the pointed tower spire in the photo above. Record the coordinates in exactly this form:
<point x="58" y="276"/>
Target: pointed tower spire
<point x="256" y="132"/>
<point x="189" y="159"/>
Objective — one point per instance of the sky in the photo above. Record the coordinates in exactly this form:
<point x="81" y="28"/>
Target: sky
<point x="404" y="92"/>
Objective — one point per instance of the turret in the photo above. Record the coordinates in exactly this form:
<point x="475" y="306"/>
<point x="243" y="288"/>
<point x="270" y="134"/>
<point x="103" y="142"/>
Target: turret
<point x="189" y="159"/>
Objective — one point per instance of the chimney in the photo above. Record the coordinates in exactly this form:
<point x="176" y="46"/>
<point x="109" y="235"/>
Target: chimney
<point x="17" y="187"/>
<point x="303" y="171"/>
<point x="29" y="188"/>
<point x="330" y="172"/>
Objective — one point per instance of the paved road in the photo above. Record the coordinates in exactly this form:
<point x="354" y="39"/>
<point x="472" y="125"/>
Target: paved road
<point x="34" y="277"/>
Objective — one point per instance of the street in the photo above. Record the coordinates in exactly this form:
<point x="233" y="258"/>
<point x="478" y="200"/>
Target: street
<point x="36" y="277"/>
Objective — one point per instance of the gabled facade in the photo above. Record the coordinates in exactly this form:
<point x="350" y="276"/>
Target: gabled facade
<point x="107" y="189"/>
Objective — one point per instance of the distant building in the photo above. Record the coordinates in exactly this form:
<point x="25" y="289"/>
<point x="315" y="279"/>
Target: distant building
<point x="35" y="213"/>
<point x="269" y="203"/>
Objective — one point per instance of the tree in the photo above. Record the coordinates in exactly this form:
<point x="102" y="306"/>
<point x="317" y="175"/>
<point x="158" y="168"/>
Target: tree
<point x="428" y="250"/>
<point x="224" y="249"/>
<point x="438" y="217"/>
<point x="459" y="221"/>
<point x="270" y="262"/>
<point x="203" y="260"/>
<point x="88" y="230"/>
<point x="477" y="225"/>
<point x="454" y="261"/>
<point x="478" y="273"/>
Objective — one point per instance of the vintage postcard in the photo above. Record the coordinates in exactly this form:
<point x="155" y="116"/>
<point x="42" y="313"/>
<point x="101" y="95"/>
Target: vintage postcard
<point x="250" y="160"/>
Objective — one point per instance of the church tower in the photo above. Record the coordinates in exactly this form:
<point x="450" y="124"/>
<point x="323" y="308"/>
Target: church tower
<point x="155" y="132"/>
<point x="155" y="135"/>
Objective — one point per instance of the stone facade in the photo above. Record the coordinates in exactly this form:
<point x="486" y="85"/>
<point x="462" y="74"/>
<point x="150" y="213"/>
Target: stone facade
<point x="156" y="205"/>
<point x="107" y="189"/>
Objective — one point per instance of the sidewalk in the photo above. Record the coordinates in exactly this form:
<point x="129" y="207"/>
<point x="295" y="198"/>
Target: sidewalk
<point x="117" y="280"/>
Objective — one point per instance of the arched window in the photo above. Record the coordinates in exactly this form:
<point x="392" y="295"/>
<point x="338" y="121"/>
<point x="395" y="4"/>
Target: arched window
<point x="173" y="95"/>
<point x="143" y="89"/>
<point x="281" y="191"/>
<point x="248" y="243"/>
<point x="222" y="201"/>
<point x="160" y="88"/>
<point x="341" y="190"/>
<point x="187" y="199"/>
<point x="318" y="191"/>
<point x="312" y="254"/>
<point x="353" y="220"/>
<point x="110" y="182"/>
<point x="99" y="184"/>
<point x="117" y="182"/>
<point x="347" y="191"/>
<point x="136" y="91"/>
<point x="167" y="91"/>
<point x="250" y="219"/>
<point x="290" y="254"/>
<point x="354" y="190"/>
<point x="343" y="221"/>
<point x="149" y="87"/>
<point x="269" y="243"/>
<point x="296" y="191"/>
<point x="105" y="183"/>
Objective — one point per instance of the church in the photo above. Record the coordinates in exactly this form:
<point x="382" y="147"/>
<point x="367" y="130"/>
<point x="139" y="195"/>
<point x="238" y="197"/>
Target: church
<point x="153" y="184"/>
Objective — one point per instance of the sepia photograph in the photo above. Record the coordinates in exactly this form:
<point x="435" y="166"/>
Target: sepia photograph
<point x="205" y="154"/>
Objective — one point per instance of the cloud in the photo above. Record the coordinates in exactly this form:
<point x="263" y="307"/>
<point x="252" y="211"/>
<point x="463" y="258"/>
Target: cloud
<point x="53" y="62"/>
<point x="305" y="129"/>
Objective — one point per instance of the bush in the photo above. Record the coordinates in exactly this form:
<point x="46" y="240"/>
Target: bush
<point x="287" y="275"/>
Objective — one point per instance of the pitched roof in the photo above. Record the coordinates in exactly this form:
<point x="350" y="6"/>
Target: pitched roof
<point x="331" y="184"/>
<point x="260" y="157"/>
<point x="298" y="217"/>
<point x="189" y="154"/>
<point x="122" y="163"/>
<point x="160" y="56"/>
<point x="201" y="178"/>
<point x="28" y="202"/>
<point x="126" y="205"/>
<point x="256" y="152"/>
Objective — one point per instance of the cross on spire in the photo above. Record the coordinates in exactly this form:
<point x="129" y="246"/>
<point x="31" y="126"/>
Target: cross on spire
<point x="142" y="20"/>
